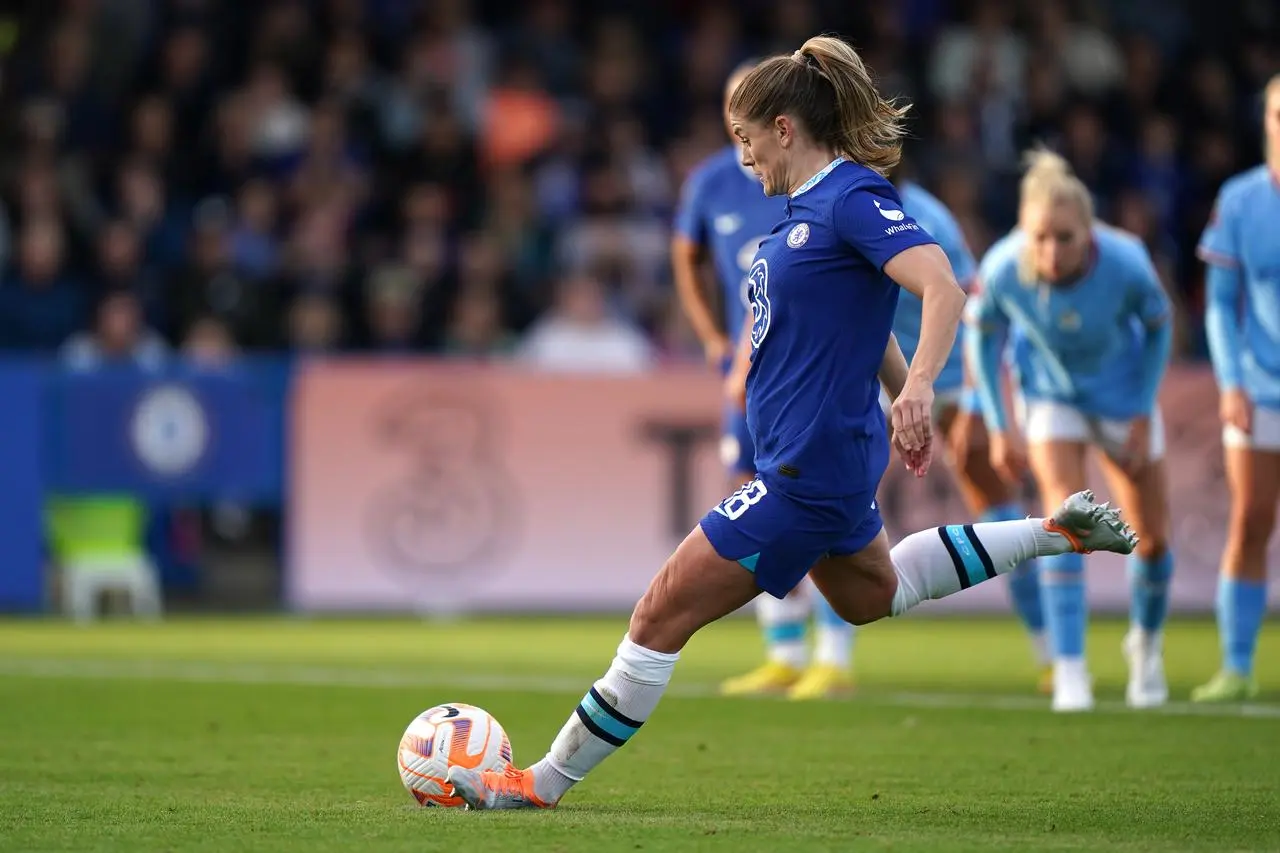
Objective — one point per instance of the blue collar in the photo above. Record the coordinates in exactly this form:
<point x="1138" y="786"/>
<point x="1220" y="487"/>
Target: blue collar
<point x="817" y="179"/>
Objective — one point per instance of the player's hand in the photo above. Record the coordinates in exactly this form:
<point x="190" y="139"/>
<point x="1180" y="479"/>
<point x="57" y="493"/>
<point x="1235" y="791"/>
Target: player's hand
<point x="912" y="416"/>
<point x="1236" y="409"/>
<point x="916" y="461"/>
<point x="718" y="350"/>
<point x="735" y="386"/>
<point x="1008" y="455"/>
<point x="1137" y="447"/>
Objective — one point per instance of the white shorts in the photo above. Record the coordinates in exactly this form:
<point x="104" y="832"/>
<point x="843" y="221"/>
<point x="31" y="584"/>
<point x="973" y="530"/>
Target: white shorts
<point x="1043" y="420"/>
<point x="1265" y="434"/>
<point x="941" y="400"/>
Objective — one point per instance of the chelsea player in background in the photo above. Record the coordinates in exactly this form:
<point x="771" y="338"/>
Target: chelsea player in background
<point x="824" y="285"/>
<point x="1241" y="250"/>
<point x="1094" y="337"/>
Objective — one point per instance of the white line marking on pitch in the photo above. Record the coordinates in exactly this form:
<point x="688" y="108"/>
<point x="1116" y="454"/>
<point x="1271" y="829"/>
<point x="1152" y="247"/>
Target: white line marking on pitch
<point x="321" y="676"/>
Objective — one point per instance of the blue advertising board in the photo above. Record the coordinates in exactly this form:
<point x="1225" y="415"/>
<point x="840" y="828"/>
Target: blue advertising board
<point x="178" y="433"/>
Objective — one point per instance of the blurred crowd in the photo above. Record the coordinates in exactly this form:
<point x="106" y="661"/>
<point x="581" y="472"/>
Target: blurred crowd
<point x="497" y="180"/>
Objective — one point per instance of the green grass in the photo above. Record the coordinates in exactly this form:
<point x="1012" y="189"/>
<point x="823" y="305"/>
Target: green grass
<point x="257" y="735"/>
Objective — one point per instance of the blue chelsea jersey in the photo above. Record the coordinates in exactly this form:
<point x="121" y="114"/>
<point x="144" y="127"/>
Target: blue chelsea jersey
<point x="822" y="309"/>
<point x="724" y="209"/>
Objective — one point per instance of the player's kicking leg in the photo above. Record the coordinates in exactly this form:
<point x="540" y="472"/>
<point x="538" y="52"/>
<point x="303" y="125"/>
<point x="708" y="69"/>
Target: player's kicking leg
<point x="1253" y="477"/>
<point x="767" y="539"/>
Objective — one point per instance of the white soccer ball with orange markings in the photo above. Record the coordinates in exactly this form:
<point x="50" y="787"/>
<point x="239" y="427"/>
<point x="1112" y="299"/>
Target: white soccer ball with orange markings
<point x="447" y="736"/>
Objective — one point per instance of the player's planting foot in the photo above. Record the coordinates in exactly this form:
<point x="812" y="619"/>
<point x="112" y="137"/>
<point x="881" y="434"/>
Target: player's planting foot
<point x="768" y="678"/>
<point x="821" y="681"/>
<point x="1090" y="526"/>
<point x="496" y="789"/>
<point x="1072" y="687"/>
<point x="1226" y="686"/>
<point x="1147" y="685"/>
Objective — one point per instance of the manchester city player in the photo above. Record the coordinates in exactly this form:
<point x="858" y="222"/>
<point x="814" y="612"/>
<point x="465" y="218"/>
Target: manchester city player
<point x="1241" y="250"/>
<point x="824" y="287"/>
<point x="1094" y="335"/>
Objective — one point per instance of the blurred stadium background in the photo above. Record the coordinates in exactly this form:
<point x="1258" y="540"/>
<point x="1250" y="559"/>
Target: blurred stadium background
<point x="367" y="305"/>
<point x="364" y="306"/>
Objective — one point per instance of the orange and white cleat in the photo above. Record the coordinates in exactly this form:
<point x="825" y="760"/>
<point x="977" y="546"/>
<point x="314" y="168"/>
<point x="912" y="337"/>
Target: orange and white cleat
<point x="1090" y="526"/>
<point x="510" y="788"/>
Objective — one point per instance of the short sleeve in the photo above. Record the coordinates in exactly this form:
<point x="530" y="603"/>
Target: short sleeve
<point x="871" y="220"/>
<point x="690" y="222"/>
<point x="1219" y="243"/>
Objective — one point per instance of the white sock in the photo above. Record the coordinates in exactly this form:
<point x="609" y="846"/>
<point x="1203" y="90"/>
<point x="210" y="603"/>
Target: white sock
<point x="612" y="711"/>
<point x="784" y="622"/>
<point x="935" y="563"/>
<point x="833" y="637"/>
<point x="1040" y="648"/>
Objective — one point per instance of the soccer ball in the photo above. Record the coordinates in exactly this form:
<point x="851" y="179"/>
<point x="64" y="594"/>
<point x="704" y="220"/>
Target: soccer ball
<point x="453" y="735"/>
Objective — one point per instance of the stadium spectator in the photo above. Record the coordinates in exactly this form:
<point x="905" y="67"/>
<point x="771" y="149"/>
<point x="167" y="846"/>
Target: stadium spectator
<point x="348" y="135"/>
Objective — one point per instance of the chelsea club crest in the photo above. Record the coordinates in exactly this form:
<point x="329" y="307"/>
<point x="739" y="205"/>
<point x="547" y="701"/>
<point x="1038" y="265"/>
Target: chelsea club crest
<point x="799" y="235"/>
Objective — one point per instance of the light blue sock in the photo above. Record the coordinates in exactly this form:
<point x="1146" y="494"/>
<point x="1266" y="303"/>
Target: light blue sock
<point x="1024" y="582"/>
<point x="833" y="644"/>
<point x="1149" y="590"/>
<point x="784" y="623"/>
<point x="1065" y="611"/>
<point x="1241" y="606"/>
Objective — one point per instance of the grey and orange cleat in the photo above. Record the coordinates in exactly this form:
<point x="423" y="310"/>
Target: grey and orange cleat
<point x="510" y="788"/>
<point x="1090" y="526"/>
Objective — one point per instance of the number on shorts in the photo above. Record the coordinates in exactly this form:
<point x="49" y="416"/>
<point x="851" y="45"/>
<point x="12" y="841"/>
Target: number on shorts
<point x="742" y="500"/>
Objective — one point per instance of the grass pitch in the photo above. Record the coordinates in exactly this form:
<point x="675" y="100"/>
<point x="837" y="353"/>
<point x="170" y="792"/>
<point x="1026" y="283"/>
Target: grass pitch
<point x="265" y="735"/>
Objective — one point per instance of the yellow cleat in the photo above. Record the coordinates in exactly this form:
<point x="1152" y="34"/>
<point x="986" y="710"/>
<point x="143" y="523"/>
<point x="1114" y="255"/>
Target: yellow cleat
<point x="1226" y="686"/>
<point x="1044" y="685"/>
<point x="821" y="681"/>
<point x="769" y="678"/>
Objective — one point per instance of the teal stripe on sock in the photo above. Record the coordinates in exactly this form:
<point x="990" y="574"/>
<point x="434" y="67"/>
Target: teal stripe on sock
<point x="972" y="562"/>
<point x="605" y="720"/>
<point x="785" y="632"/>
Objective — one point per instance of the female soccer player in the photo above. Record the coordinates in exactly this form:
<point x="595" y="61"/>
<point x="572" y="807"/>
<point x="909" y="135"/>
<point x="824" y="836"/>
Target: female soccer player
<point x="1092" y="322"/>
<point x="1242" y="255"/>
<point x="723" y="213"/>
<point x="824" y="286"/>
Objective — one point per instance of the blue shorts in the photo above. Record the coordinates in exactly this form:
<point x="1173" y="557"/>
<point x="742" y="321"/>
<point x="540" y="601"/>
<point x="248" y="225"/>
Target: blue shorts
<point x="779" y="538"/>
<point x="737" y="450"/>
